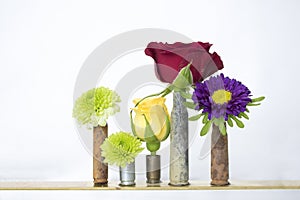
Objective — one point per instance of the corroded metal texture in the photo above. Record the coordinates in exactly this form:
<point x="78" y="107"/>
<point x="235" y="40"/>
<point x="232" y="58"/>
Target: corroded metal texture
<point x="100" y="170"/>
<point x="127" y="175"/>
<point x="219" y="158"/>
<point x="153" y="168"/>
<point x="179" y="163"/>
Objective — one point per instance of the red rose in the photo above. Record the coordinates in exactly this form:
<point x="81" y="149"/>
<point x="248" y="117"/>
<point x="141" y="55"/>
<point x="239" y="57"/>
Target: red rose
<point x="171" y="58"/>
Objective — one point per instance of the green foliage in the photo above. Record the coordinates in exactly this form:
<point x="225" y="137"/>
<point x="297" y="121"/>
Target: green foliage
<point x="120" y="149"/>
<point x="133" y="127"/>
<point x="220" y="123"/>
<point x="205" y="128"/>
<point x="168" y="129"/>
<point x="184" y="78"/>
<point x="222" y="129"/>
<point x="242" y="114"/>
<point x="229" y="122"/>
<point x="239" y="123"/>
<point x="253" y="104"/>
<point x="152" y="143"/>
<point x="258" y="99"/>
<point x="190" y="105"/>
<point x="196" y="117"/>
<point x="185" y="94"/>
<point x="205" y="118"/>
<point x="149" y="134"/>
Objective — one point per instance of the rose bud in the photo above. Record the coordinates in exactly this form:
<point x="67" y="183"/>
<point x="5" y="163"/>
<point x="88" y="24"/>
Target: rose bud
<point x="151" y="122"/>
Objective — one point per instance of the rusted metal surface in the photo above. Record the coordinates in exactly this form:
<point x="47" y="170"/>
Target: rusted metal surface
<point x="219" y="158"/>
<point x="100" y="170"/>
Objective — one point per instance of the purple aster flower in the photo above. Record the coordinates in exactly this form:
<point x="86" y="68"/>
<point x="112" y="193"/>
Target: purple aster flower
<point x="221" y="96"/>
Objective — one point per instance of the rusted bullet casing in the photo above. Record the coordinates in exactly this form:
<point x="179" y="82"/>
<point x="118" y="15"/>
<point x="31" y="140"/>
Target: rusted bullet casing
<point x="100" y="170"/>
<point x="219" y="158"/>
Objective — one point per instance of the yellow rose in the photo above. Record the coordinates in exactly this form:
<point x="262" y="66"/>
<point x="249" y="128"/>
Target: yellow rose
<point x="151" y="122"/>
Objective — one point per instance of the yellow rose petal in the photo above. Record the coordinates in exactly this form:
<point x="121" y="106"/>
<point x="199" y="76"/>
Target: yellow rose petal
<point x="155" y="111"/>
<point x="139" y="124"/>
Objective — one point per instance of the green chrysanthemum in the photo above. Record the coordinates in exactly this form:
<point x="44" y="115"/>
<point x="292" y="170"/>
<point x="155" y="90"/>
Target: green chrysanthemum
<point x="93" y="107"/>
<point x="121" y="148"/>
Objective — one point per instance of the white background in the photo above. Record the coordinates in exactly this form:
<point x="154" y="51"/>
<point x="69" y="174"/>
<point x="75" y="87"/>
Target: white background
<point x="44" y="43"/>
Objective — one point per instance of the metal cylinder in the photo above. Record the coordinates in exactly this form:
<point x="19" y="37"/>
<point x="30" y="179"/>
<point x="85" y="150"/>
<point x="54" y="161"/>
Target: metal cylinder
<point x="100" y="170"/>
<point x="127" y="175"/>
<point x="219" y="158"/>
<point x="153" y="168"/>
<point x="179" y="154"/>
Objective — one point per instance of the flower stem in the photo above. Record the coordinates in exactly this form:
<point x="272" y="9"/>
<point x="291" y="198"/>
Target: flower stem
<point x="164" y="93"/>
<point x="168" y="90"/>
<point x="153" y="153"/>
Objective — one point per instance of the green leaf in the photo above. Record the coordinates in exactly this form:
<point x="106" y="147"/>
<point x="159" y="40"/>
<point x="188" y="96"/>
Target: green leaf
<point x="258" y="99"/>
<point x="222" y="129"/>
<point x="253" y="104"/>
<point x="205" y="118"/>
<point x="239" y="123"/>
<point x="247" y="110"/>
<point x="218" y="121"/>
<point x="196" y="117"/>
<point x="188" y="73"/>
<point x="185" y="94"/>
<point x="133" y="126"/>
<point x="190" y="105"/>
<point x="168" y="129"/>
<point x="229" y="122"/>
<point x="205" y="128"/>
<point x="176" y="89"/>
<point x="184" y="78"/>
<point x="149" y="134"/>
<point x="242" y="114"/>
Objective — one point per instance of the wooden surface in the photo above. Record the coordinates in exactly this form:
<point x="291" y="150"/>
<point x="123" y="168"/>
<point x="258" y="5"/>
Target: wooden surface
<point x="195" y="185"/>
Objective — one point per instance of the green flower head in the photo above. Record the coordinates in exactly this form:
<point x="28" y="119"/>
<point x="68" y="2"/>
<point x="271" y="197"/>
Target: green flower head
<point x="121" y="148"/>
<point x="94" y="107"/>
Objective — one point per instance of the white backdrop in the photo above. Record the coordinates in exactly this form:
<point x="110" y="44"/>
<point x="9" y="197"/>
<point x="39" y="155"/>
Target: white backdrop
<point x="44" y="43"/>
